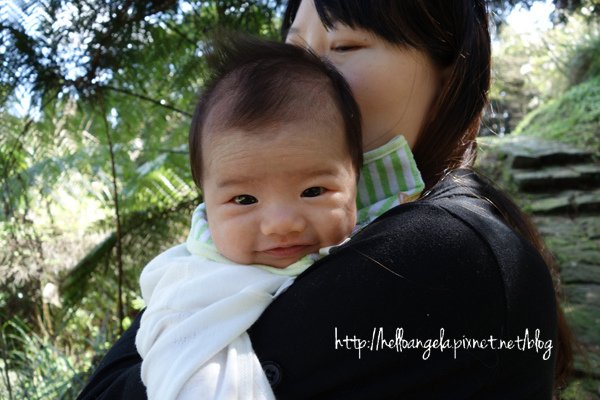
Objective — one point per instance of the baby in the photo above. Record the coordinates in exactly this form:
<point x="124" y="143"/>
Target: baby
<point x="275" y="146"/>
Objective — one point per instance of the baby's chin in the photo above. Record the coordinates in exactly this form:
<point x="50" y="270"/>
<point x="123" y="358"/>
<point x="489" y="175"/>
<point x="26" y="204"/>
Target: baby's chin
<point x="279" y="264"/>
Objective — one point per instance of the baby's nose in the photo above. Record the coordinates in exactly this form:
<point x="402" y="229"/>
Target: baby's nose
<point x="282" y="221"/>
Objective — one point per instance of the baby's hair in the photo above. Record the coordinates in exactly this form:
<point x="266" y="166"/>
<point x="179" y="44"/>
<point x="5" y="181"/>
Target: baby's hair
<point x="257" y="83"/>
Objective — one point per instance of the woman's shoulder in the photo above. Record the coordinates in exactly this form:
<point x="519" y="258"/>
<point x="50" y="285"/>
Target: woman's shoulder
<point x="433" y="269"/>
<point x="444" y="243"/>
<point x="456" y="236"/>
<point x="454" y="218"/>
<point x="456" y="215"/>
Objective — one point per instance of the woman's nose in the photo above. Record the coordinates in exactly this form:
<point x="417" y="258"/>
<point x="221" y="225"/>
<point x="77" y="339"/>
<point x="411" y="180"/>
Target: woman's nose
<point x="313" y="42"/>
<point x="282" y="221"/>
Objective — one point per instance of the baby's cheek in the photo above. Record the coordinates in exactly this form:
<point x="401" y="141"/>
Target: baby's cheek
<point x="344" y="224"/>
<point x="350" y="214"/>
<point x="228" y="241"/>
<point x="220" y="244"/>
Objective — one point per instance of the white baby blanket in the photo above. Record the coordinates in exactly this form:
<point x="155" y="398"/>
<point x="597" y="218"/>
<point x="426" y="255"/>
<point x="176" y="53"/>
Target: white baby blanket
<point x="192" y="337"/>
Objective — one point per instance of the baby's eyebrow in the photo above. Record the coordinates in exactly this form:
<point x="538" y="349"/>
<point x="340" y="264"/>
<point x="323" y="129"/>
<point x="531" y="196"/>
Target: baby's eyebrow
<point x="235" y="181"/>
<point x="320" y="172"/>
<point x="244" y="180"/>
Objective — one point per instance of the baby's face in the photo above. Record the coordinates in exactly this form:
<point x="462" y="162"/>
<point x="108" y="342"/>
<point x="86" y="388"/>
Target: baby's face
<point x="274" y="196"/>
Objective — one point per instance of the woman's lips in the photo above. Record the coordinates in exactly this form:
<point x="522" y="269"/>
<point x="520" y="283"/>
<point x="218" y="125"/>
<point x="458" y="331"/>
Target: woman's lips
<point x="288" y="251"/>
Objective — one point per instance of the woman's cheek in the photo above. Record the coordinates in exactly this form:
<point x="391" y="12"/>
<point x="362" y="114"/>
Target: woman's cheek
<point x="359" y="78"/>
<point x="364" y="80"/>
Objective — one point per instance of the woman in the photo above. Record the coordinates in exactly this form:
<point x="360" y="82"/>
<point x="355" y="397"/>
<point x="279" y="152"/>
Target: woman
<point x="447" y="296"/>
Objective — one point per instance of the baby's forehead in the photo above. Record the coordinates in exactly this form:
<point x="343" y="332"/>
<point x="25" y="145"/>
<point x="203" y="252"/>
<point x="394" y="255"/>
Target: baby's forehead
<point x="325" y="126"/>
<point x="297" y="148"/>
<point x="319" y="135"/>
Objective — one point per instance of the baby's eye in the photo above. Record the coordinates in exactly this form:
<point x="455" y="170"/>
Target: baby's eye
<point x="245" y="200"/>
<point x="313" y="191"/>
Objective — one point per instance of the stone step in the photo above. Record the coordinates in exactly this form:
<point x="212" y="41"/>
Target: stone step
<point x="587" y="368"/>
<point x="577" y="273"/>
<point x="585" y="320"/>
<point x="548" y="179"/>
<point x="572" y="232"/>
<point x="585" y="293"/>
<point x="551" y="158"/>
<point x="571" y="201"/>
<point x="526" y="152"/>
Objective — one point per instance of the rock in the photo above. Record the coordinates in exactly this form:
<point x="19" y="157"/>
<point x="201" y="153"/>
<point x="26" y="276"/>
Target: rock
<point x="575" y="272"/>
<point x="588" y="294"/>
<point x="530" y="152"/>
<point x="572" y="201"/>
<point x="569" y="228"/>
<point x="557" y="178"/>
<point x="590" y="365"/>
<point x="584" y="320"/>
<point x="574" y="254"/>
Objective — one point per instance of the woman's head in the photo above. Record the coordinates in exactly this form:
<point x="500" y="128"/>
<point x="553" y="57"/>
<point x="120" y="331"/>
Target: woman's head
<point x="418" y="68"/>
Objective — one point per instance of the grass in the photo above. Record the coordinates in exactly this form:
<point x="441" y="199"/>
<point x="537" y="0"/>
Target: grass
<point x="572" y="118"/>
<point x="36" y="368"/>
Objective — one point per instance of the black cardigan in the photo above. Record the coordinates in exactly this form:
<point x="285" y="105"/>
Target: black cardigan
<point x="357" y="323"/>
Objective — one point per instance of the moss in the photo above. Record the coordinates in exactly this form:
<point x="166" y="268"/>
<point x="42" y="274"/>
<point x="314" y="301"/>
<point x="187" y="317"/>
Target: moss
<point x="584" y="319"/>
<point x="581" y="389"/>
<point x="572" y="118"/>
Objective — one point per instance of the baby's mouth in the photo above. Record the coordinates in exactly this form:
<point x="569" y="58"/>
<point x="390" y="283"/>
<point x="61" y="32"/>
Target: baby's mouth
<point x="287" y="251"/>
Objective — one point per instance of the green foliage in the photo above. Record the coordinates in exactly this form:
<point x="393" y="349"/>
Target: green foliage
<point x="531" y="69"/>
<point x="573" y="117"/>
<point x="36" y="367"/>
<point x="584" y="64"/>
<point x="128" y="83"/>
<point x="109" y="83"/>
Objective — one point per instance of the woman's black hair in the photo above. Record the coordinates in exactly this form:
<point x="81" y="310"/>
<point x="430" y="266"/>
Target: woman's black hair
<point x="454" y="34"/>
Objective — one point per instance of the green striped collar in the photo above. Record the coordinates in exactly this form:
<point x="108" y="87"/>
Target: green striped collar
<point x="389" y="177"/>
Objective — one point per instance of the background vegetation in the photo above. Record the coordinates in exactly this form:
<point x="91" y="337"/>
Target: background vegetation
<point x="550" y="83"/>
<point x="95" y="103"/>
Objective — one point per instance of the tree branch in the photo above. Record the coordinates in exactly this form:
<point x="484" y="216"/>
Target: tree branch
<point x="146" y="98"/>
<point x="120" y="310"/>
<point x="172" y="27"/>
